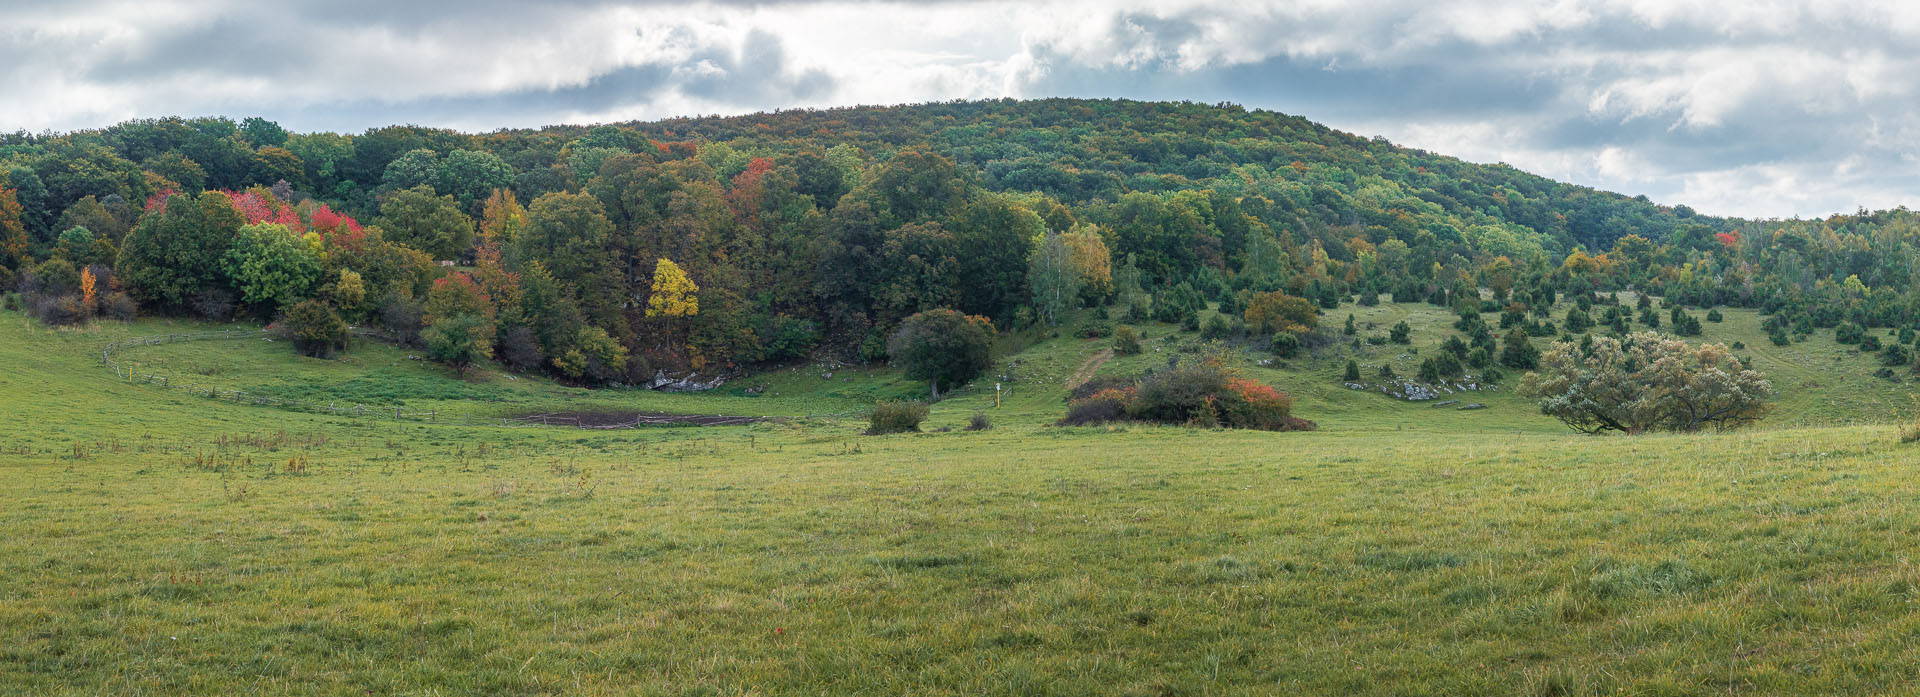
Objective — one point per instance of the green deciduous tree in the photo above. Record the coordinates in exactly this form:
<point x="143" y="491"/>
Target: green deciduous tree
<point x="943" y="347"/>
<point x="459" y="341"/>
<point x="272" y="267"/>
<point x="179" y="251"/>
<point x="470" y="176"/>
<point x="1645" y="382"/>
<point x="459" y="322"/>
<point x="1052" y="278"/>
<point x="433" y="224"/>
<point x="593" y="356"/>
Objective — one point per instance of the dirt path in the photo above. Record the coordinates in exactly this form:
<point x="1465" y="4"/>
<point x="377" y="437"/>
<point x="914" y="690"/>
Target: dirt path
<point x="1087" y="369"/>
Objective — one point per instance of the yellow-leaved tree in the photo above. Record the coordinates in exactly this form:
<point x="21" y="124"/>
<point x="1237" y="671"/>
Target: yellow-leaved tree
<point x="501" y="218"/>
<point x="87" y="289"/>
<point x="674" y="293"/>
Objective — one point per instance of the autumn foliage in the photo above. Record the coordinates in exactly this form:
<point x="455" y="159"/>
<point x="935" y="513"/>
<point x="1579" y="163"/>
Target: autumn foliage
<point x="1208" y="393"/>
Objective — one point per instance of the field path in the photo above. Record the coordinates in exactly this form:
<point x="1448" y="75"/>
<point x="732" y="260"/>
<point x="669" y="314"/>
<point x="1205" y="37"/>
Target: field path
<point x="1085" y="373"/>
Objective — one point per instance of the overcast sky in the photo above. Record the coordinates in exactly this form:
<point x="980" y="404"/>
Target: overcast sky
<point x="1751" y="108"/>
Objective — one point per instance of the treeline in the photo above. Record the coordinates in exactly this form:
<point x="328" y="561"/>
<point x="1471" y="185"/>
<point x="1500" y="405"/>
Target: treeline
<point x="609" y="253"/>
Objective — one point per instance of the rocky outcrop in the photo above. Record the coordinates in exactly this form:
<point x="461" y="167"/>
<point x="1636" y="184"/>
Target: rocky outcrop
<point x="690" y="383"/>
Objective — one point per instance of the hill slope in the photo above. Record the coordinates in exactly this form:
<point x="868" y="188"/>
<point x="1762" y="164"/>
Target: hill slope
<point x="156" y="541"/>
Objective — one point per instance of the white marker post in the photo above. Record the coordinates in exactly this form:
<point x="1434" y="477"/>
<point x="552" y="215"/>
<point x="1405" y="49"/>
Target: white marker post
<point x="996" y="395"/>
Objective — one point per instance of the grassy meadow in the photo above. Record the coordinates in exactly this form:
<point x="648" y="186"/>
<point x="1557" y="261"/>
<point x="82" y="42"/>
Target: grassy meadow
<point x="157" y="543"/>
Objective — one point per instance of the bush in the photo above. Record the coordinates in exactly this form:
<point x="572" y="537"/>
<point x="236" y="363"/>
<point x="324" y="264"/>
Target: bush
<point x="1578" y="321"/>
<point x="402" y="317"/>
<point x="1714" y="316"/>
<point x="1353" y="371"/>
<point x="1869" y="343"/>
<point x="58" y="310"/>
<point x="594" y="357"/>
<point x="1286" y="345"/>
<point x="1216" y="327"/>
<point x="1206" y="393"/>
<point x="1645" y="382"/>
<point x="1480" y="357"/>
<point x="979" y="422"/>
<point x="459" y="341"/>
<point x="119" y="306"/>
<point x="1126" y="340"/>
<point x="213" y="305"/>
<point x="53" y="277"/>
<point x="895" y="417"/>
<point x="1519" y="353"/>
<point x="1896" y="355"/>
<point x="315" y="328"/>
<point x="1849" y="333"/>
<point x="1230" y="304"/>
<point x="1778" y="337"/>
<point x="1109" y="404"/>
<point x="1096" y="330"/>
<point x="1400" y="334"/>
<point x="1443" y="366"/>
<point x="520" y="348"/>
<point x="1276" y="311"/>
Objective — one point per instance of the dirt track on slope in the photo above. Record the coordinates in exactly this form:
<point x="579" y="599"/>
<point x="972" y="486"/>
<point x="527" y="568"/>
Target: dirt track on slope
<point x="1087" y="369"/>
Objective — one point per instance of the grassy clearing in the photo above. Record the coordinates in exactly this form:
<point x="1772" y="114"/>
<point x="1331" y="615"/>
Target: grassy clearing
<point x="156" y="543"/>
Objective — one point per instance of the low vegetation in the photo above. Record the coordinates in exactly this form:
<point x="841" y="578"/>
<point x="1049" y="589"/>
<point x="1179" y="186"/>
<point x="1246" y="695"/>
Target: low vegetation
<point x="895" y="417"/>
<point x="1645" y="382"/>
<point x="1205" y="393"/>
<point x="216" y="544"/>
<point x="483" y="502"/>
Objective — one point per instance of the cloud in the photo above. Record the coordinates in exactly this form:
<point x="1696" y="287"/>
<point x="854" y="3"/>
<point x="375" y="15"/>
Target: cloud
<point x="1765" y="108"/>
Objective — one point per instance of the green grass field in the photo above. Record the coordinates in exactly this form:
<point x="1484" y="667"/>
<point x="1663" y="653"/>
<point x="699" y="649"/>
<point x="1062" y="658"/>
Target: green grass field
<point x="159" y="543"/>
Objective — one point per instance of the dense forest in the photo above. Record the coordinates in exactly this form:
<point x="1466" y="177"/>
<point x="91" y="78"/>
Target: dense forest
<point x="607" y="254"/>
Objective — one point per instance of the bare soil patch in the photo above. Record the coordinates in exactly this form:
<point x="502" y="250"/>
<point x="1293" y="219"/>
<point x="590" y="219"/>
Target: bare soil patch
<point x="1085" y="373"/>
<point x="632" y="419"/>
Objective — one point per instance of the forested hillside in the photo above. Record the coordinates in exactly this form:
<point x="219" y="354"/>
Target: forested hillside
<point x="608" y="253"/>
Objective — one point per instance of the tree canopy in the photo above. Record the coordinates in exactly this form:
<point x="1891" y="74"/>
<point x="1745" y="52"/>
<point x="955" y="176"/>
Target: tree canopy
<point x="823" y="230"/>
<point x="1646" y="382"/>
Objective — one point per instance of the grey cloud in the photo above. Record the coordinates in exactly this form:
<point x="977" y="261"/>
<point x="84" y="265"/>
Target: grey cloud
<point x="758" y="74"/>
<point x="1401" y="68"/>
<point x="226" y="46"/>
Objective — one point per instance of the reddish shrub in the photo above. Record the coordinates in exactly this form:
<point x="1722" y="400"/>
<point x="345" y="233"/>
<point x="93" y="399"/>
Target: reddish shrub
<point x="1206" y="394"/>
